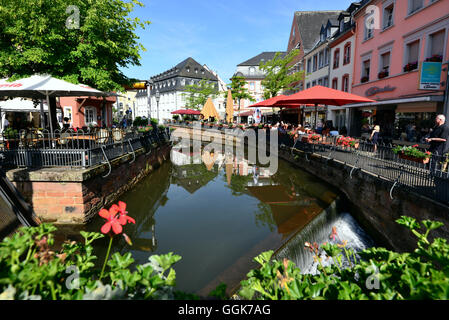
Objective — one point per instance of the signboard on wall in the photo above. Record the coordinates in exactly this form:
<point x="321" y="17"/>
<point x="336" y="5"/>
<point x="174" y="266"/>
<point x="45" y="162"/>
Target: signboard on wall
<point x="430" y="76"/>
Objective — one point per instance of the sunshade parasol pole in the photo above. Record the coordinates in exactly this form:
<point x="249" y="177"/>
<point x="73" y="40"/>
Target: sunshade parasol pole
<point x="316" y="115"/>
<point x="49" y="115"/>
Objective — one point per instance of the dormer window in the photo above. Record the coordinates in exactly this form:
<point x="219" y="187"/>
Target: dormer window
<point x="188" y="69"/>
<point x="196" y="70"/>
<point x="342" y="25"/>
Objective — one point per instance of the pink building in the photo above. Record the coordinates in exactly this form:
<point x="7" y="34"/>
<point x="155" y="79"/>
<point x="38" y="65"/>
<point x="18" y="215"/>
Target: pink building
<point x="393" y="38"/>
<point x="85" y="111"/>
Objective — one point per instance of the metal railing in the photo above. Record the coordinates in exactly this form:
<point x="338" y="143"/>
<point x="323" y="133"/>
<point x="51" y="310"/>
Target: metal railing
<point x="428" y="178"/>
<point x="69" y="148"/>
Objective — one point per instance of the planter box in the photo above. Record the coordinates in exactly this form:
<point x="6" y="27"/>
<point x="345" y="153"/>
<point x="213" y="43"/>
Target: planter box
<point x="419" y="160"/>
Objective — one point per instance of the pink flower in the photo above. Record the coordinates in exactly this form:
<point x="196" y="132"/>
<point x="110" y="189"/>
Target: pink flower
<point x="121" y="209"/>
<point x="111" y="221"/>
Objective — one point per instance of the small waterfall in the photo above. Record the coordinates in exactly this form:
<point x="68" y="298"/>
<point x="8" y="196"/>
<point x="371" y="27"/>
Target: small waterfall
<point x="319" y="231"/>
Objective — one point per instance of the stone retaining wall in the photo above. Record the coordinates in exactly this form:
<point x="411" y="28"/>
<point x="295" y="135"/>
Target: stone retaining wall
<point x="74" y="196"/>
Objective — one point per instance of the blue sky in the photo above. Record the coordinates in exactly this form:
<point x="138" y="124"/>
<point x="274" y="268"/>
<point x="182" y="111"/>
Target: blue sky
<point x="218" y="33"/>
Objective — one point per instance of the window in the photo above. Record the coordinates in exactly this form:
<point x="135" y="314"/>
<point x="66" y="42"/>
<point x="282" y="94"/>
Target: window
<point x="369" y="26"/>
<point x="308" y="85"/>
<point x="68" y="113"/>
<point x="252" y="70"/>
<point x="315" y="62"/>
<point x="326" y="81"/>
<point x="321" y="59"/>
<point x="251" y="86"/>
<point x="414" y="5"/>
<point x="326" y="56"/>
<point x="365" y="70"/>
<point x="384" y="66"/>
<point x="320" y="82"/>
<point x="90" y="115"/>
<point x="347" y="54"/>
<point x="436" y="45"/>
<point x="313" y="83"/>
<point x="388" y="15"/>
<point x="342" y="25"/>
<point x="335" y="83"/>
<point x="336" y="58"/>
<point x="412" y="55"/>
<point x="345" y="83"/>
<point x="309" y="65"/>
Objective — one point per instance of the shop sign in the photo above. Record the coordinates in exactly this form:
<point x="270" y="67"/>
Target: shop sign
<point x="375" y="90"/>
<point x="430" y="75"/>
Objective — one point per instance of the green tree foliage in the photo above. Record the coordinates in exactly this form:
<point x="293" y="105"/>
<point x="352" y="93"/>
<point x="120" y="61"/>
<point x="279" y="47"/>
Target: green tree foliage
<point x="238" y="90"/>
<point x="197" y="94"/>
<point x="278" y="77"/>
<point x="44" y="36"/>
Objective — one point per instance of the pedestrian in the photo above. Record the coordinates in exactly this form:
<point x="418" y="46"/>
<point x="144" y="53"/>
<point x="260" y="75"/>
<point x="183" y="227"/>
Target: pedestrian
<point x="375" y="137"/>
<point x="439" y="136"/>
<point x="439" y="146"/>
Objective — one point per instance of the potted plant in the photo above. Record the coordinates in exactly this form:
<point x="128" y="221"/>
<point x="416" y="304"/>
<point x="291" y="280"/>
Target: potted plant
<point x="412" y="153"/>
<point x="411" y="66"/>
<point x="383" y="74"/>
<point x="364" y="79"/>
<point x="435" y="58"/>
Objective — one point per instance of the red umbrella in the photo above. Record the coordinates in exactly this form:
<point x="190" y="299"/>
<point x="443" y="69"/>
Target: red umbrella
<point x="187" y="111"/>
<point x="272" y="101"/>
<point x="322" y="95"/>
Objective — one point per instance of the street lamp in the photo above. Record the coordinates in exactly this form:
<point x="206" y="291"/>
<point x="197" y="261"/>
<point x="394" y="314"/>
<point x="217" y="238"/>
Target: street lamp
<point x="158" y="97"/>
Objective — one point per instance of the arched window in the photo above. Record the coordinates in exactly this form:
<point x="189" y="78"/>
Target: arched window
<point x="335" y="83"/>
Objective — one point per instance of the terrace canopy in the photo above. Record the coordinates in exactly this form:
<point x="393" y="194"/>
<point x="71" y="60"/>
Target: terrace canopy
<point x="45" y="86"/>
<point x="209" y="110"/>
<point x="321" y="95"/>
<point x="187" y="112"/>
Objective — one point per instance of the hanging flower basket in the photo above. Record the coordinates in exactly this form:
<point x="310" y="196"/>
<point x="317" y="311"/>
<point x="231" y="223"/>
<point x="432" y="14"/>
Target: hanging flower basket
<point x="419" y="160"/>
<point x="412" y="153"/>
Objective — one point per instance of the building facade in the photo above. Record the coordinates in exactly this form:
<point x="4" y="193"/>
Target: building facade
<point x="171" y="87"/>
<point x="342" y="48"/>
<point x="398" y="45"/>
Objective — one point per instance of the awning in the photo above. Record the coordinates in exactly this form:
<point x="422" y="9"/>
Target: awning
<point x="21" y="105"/>
<point x="433" y="98"/>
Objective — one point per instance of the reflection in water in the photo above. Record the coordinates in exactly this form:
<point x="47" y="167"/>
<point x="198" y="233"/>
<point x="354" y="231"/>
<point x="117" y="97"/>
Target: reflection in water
<point x="218" y="212"/>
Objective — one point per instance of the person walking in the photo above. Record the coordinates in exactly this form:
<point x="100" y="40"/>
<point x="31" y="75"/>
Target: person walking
<point x="439" y="146"/>
<point x="375" y="137"/>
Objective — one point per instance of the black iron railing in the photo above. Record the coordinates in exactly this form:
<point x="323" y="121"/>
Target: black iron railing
<point x="69" y="148"/>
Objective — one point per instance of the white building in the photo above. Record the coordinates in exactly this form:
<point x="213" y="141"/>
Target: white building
<point x="171" y="84"/>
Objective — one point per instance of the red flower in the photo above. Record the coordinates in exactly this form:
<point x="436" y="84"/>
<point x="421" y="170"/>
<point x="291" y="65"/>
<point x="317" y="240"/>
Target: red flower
<point x="111" y="221"/>
<point x="334" y="234"/>
<point x="415" y="146"/>
<point x="123" y="218"/>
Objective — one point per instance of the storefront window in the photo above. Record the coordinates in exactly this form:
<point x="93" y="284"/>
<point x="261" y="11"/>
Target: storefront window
<point x="414" y="127"/>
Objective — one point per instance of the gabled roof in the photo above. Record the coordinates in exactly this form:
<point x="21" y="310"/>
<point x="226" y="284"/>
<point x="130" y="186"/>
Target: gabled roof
<point x="188" y="68"/>
<point x="264" y="56"/>
<point x="310" y="23"/>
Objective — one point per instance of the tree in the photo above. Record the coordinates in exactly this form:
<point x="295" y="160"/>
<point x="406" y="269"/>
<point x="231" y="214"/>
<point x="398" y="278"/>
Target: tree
<point x="80" y="41"/>
<point x="239" y="91"/>
<point x="197" y="94"/>
<point x="278" y="76"/>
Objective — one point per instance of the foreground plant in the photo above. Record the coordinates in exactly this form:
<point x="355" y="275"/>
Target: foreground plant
<point x="375" y="273"/>
<point x="31" y="269"/>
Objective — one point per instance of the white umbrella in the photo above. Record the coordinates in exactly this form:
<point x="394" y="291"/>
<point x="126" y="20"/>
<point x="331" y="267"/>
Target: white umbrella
<point x="44" y="87"/>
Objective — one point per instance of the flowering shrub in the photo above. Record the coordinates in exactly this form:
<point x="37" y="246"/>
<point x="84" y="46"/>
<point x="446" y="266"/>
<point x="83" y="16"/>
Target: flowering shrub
<point x="314" y="137"/>
<point x="411" y="151"/>
<point x="375" y="273"/>
<point x="31" y="270"/>
<point x="346" y="142"/>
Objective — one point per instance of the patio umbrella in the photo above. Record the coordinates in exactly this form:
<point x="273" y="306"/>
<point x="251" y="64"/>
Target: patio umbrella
<point x="209" y="110"/>
<point x="44" y="87"/>
<point x="322" y="95"/>
<point x="229" y="107"/>
<point x="187" y="111"/>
